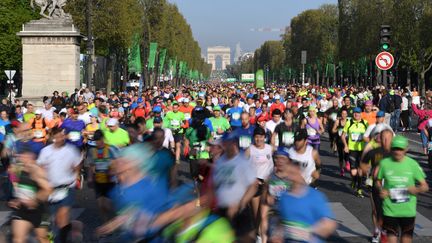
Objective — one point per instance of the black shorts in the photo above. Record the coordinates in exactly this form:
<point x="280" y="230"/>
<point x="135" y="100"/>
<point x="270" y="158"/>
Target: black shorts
<point x="37" y="217"/>
<point x="260" y="187"/>
<point x="178" y="137"/>
<point x="103" y="189"/>
<point x="354" y="158"/>
<point x="394" y="225"/>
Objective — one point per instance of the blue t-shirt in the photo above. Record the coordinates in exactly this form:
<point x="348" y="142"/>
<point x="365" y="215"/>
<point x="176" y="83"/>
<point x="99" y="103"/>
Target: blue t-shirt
<point x="35" y="147"/>
<point x="245" y="136"/>
<point x="73" y="130"/>
<point x="235" y="116"/>
<point x="161" y="163"/>
<point x="148" y="195"/>
<point x="4" y="129"/>
<point x="300" y="213"/>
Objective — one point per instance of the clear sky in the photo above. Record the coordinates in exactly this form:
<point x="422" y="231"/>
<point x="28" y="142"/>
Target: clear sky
<point x="228" y="22"/>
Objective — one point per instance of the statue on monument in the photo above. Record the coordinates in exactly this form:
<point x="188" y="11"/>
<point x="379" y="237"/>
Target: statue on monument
<point x="51" y="9"/>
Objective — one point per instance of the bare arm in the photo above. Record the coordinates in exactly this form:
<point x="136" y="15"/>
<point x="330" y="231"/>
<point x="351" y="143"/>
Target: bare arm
<point x="324" y="228"/>
<point x="335" y="125"/>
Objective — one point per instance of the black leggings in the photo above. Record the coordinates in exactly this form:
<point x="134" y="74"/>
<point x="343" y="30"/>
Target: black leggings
<point x="343" y="157"/>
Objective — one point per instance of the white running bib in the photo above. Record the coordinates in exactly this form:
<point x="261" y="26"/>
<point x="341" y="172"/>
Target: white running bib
<point x="399" y="195"/>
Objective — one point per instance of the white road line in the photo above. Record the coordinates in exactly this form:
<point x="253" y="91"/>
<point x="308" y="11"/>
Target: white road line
<point x="414" y="141"/>
<point x="349" y="225"/>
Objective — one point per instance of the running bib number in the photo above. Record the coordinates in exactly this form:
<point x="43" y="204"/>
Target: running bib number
<point x="244" y="141"/>
<point x="297" y="233"/>
<point x="25" y="192"/>
<point x="2" y="130"/>
<point x="356" y="137"/>
<point x="38" y="134"/>
<point x="333" y="116"/>
<point x="58" y="195"/>
<point x="175" y="123"/>
<point x="311" y="132"/>
<point x="236" y="116"/>
<point x="288" y="138"/>
<point x="399" y="195"/>
<point x="74" y="136"/>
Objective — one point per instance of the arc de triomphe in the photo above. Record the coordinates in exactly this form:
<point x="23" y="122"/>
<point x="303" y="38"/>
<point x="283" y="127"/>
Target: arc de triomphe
<point x="219" y="51"/>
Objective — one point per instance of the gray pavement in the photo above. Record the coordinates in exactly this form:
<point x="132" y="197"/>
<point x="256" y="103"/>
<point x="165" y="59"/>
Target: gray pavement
<point x="352" y="213"/>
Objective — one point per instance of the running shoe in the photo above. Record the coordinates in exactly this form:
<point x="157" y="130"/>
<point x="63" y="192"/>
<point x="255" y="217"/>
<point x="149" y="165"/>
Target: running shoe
<point x="342" y="172"/>
<point x="360" y="193"/>
<point x="376" y="238"/>
<point x="347" y="166"/>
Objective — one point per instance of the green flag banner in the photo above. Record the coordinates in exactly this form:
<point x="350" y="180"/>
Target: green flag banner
<point x="162" y="56"/>
<point x="259" y="79"/>
<point x="134" y="56"/>
<point x="152" y="55"/>
<point x="174" y="67"/>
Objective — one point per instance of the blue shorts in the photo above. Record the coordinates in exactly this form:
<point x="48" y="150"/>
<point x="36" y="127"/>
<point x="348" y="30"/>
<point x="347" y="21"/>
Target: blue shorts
<point x="68" y="201"/>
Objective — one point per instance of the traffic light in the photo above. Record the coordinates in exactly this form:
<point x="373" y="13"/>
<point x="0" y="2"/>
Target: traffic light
<point x="385" y="37"/>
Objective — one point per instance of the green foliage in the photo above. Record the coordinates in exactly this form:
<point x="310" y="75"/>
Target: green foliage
<point x="13" y="14"/>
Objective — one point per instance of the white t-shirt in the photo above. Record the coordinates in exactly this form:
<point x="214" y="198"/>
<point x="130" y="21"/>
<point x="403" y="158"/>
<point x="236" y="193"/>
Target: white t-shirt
<point x="262" y="161"/>
<point x="60" y="163"/>
<point x="324" y="105"/>
<point x="271" y="125"/>
<point x="404" y="106"/>
<point x="168" y="138"/>
<point x="85" y="117"/>
<point x="48" y="114"/>
<point x="232" y="178"/>
<point x="306" y="161"/>
<point x="247" y="106"/>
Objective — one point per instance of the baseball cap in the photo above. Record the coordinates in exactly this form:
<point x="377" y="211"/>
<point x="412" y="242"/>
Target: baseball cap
<point x="140" y="100"/>
<point x="368" y="102"/>
<point x="112" y="122"/>
<point x="157" y="119"/>
<point x="15" y="123"/>
<point x="157" y="109"/>
<point x="399" y="142"/>
<point x="281" y="151"/>
<point x="216" y="108"/>
<point x="38" y="112"/>
<point x="300" y="135"/>
<point x="392" y="92"/>
<point x="357" y="110"/>
<point x="112" y="93"/>
<point x="277" y="97"/>
<point x="186" y="100"/>
<point x="380" y="114"/>
<point x="175" y="103"/>
<point x="312" y="108"/>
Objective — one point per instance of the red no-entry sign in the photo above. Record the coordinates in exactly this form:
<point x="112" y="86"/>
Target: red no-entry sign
<point x="384" y="60"/>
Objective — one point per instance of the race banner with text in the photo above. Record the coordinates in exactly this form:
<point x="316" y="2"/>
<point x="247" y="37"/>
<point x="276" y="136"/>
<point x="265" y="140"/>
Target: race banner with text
<point x="259" y="79"/>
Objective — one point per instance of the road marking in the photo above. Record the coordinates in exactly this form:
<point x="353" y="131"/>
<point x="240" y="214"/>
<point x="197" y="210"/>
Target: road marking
<point x="75" y="213"/>
<point x="414" y="141"/>
<point x="349" y="225"/>
<point x="423" y="226"/>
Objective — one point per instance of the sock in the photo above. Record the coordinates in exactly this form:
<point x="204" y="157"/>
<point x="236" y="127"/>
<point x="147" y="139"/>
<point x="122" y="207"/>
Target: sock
<point x="63" y="234"/>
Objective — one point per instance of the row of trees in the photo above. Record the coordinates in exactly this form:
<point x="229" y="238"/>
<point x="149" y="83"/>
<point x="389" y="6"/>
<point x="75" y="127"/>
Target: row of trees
<point x="115" y="26"/>
<point x="342" y="42"/>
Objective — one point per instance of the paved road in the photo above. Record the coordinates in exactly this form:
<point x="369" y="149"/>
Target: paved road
<point x="352" y="213"/>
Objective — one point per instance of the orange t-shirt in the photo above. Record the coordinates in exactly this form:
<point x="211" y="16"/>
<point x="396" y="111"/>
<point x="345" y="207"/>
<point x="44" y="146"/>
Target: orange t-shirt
<point x="369" y="117"/>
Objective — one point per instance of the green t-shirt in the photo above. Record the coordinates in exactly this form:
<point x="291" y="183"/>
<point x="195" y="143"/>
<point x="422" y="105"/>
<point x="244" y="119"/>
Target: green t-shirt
<point x="28" y="116"/>
<point x="221" y="123"/>
<point x="175" y="120"/>
<point x="191" y="135"/>
<point x="355" y="130"/>
<point x="398" y="176"/>
<point x="119" y="138"/>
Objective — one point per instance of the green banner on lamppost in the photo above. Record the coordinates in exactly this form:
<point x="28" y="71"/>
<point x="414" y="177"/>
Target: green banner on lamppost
<point x="152" y="55"/>
<point x="259" y="79"/>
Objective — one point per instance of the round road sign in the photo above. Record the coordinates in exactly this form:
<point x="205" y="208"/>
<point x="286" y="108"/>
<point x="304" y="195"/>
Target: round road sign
<point x="384" y="60"/>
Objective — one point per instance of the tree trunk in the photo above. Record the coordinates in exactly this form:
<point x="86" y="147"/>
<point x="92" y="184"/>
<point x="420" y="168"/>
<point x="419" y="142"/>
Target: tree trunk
<point x="422" y="83"/>
<point x="409" y="78"/>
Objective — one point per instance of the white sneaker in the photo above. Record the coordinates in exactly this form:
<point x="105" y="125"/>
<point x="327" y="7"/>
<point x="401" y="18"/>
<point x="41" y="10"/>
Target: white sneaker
<point x="376" y="238"/>
<point x="258" y="239"/>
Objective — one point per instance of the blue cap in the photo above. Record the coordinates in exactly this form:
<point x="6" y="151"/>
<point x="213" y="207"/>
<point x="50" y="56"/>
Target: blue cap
<point x="380" y="114"/>
<point x="357" y="110"/>
<point x="250" y="96"/>
<point x="281" y="151"/>
<point x="140" y="100"/>
<point x="157" y="109"/>
<point x="229" y="136"/>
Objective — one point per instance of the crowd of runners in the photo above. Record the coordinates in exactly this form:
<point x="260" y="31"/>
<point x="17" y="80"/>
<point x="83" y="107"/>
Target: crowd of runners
<point x="253" y="156"/>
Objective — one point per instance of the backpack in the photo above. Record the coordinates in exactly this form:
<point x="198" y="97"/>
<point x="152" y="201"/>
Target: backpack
<point x="390" y="105"/>
<point x="352" y="123"/>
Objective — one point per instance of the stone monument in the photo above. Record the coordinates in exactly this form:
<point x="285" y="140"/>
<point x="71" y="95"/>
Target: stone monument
<point x="51" y="51"/>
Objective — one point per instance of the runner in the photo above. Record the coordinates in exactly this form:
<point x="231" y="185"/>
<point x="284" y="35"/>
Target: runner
<point x="99" y="161"/>
<point x="314" y="128"/>
<point x="176" y="121"/>
<point x="220" y="124"/>
<point x="352" y="138"/>
<point x="284" y="132"/>
<point x="61" y="162"/>
<point x="370" y="160"/>
<point x="403" y="180"/>
<point x="234" y="114"/>
<point x="338" y="127"/>
<point x="114" y="135"/>
<point x="306" y="156"/>
<point x="330" y="118"/>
